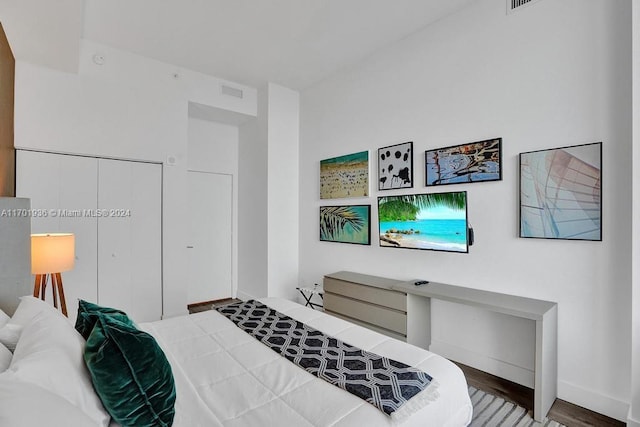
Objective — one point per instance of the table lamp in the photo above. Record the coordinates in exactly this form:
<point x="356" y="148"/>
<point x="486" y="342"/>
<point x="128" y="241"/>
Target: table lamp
<point x="51" y="254"/>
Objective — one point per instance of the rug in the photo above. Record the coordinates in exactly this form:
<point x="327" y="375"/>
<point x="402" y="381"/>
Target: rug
<point x="493" y="411"/>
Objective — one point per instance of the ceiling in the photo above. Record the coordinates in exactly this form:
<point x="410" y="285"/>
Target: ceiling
<point x="294" y="43"/>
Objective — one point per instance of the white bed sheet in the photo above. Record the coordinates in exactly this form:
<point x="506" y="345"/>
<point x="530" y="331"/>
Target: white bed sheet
<point x="225" y="377"/>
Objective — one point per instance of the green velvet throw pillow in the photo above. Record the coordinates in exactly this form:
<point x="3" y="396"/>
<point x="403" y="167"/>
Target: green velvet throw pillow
<point x="130" y="373"/>
<point x="88" y="316"/>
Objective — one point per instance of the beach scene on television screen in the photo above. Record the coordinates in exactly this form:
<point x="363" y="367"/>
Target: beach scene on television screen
<point x="475" y="162"/>
<point x="424" y="221"/>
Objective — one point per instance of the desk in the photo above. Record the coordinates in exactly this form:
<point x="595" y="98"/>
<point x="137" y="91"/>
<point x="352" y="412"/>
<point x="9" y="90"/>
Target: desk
<point x="543" y="313"/>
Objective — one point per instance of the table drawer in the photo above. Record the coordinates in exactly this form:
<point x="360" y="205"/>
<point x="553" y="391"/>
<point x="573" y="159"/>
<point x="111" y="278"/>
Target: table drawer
<point x="383" y="297"/>
<point x="375" y="328"/>
<point x="393" y="320"/>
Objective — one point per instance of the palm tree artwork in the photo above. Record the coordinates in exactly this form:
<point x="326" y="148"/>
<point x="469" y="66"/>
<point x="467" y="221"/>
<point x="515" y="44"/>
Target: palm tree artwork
<point x="436" y="221"/>
<point x="346" y="224"/>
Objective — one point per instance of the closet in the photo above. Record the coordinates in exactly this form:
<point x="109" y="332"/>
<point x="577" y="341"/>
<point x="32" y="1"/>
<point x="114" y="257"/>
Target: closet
<point x="114" y="208"/>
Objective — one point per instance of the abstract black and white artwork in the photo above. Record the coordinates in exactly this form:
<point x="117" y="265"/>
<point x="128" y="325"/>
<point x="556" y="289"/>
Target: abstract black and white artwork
<point x="395" y="166"/>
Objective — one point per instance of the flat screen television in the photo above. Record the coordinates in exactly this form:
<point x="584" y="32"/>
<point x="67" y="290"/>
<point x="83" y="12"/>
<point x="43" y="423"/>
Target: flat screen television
<point x="434" y="221"/>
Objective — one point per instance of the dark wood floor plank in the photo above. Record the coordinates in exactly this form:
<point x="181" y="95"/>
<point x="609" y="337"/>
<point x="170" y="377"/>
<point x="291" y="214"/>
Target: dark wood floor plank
<point x="209" y="305"/>
<point x="563" y="412"/>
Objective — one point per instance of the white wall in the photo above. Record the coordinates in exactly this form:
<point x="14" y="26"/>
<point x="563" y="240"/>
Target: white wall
<point x="634" y="412"/>
<point x="213" y="148"/>
<point x="252" y="204"/>
<point x="268" y="204"/>
<point x="43" y="31"/>
<point x="132" y="108"/>
<point x="556" y="73"/>
<point x="283" y="140"/>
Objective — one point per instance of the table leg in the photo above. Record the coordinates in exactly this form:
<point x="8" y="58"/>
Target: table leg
<point x="546" y="373"/>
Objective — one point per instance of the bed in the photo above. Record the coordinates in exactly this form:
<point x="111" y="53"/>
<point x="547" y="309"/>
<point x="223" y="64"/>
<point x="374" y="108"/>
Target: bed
<point x="223" y="376"/>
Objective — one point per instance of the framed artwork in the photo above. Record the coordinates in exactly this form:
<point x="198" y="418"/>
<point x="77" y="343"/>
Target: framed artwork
<point x="346" y="224"/>
<point x="560" y="193"/>
<point x="395" y="166"/>
<point x="436" y="221"/>
<point x="473" y="162"/>
<point x="345" y="176"/>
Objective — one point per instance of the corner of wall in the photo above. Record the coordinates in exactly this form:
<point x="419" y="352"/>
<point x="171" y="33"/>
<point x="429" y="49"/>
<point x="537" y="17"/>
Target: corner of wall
<point x="283" y="140"/>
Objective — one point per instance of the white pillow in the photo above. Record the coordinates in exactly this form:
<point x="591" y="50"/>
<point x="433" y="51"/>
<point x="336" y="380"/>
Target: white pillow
<point x="4" y="339"/>
<point x="29" y="307"/>
<point x="5" y="358"/>
<point x="23" y="404"/>
<point x="50" y="355"/>
<point x="9" y="335"/>
<point x="3" y="318"/>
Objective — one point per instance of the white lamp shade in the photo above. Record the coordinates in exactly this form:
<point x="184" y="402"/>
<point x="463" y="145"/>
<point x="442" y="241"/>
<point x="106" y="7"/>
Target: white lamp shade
<point x="52" y="253"/>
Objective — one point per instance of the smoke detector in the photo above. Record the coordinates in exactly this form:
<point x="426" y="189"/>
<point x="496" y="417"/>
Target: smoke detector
<point x="98" y="59"/>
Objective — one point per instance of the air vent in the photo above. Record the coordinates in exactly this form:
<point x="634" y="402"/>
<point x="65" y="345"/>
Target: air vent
<point x="513" y="5"/>
<point x="231" y="91"/>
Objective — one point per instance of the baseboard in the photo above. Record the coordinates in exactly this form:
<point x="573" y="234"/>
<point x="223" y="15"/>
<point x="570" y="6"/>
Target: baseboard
<point x="593" y="401"/>
<point x="632" y="422"/>
<point x="517" y="374"/>
<point x="174" y="314"/>
<point x="244" y="296"/>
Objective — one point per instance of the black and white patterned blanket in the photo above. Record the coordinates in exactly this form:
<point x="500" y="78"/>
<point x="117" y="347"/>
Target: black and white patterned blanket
<point x="383" y="382"/>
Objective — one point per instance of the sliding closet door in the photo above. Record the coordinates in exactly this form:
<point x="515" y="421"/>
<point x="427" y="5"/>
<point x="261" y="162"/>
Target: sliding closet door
<point x="114" y="209"/>
<point x="129" y="253"/>
<point x="64" y="188"/>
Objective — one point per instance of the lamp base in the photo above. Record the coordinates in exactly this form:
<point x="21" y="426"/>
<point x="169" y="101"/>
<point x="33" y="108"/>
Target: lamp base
<point x="40" y="286"/>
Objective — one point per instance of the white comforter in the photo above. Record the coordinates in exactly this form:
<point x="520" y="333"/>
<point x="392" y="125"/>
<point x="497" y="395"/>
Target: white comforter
<point x="225" y="377"/>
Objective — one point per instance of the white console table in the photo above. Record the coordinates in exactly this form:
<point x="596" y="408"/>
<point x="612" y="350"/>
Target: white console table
<point x="543" y="313"/>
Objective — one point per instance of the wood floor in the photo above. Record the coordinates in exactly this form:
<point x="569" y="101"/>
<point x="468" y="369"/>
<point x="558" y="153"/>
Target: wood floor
<point x="561" y="411"/>
<point x="209" y="305"/>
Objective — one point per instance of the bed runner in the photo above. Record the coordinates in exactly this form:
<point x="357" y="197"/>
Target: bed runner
<point x="385" y="383"/>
